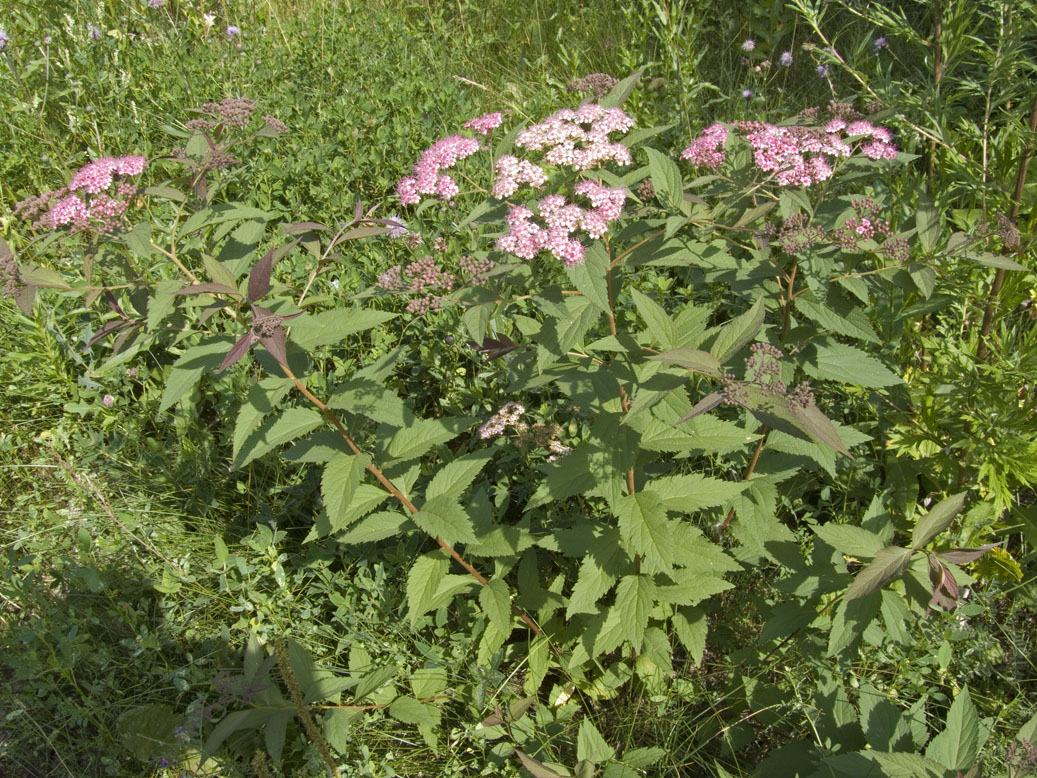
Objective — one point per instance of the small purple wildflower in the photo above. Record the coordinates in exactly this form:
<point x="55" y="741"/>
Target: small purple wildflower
<point x="822" y="70"/>
<point x="880" y="43"/>
<point x="95" y="32"/>
<point x="108" y="401"/>
<point x="47" y="40"/>
<point x="786" y="59"/>
<point x="4" y="38"/>
<point x="233" y="31"/>
<point x="156" y="3"/>
<point x="747" y="93"/>
<point x="748" y="45"/>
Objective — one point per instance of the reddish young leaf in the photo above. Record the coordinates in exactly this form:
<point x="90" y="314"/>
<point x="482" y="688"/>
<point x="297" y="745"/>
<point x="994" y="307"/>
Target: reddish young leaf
<point x="959" y="556"/>
<point x="237" y="351"/>
<point x="705" y="405"/>
<point x="259" y="278"/>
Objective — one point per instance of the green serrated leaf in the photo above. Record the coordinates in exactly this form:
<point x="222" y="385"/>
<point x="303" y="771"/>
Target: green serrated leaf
<point x="646" y="530"/>
<point x="442" y="517"/>
<point x="830" y="320"/>
<point x="736" y="333"/>
<point x="189" y="367"/>
<point x="291" y="424"/>
<point x="339" y="481"/>
<point x="423" y="582"/>
<point x="635" y="596"/>
<point x="838" y="362"/>
<point x="889" y="563"/>
<point x="589" y="276"/>
<point x="849" y="540"/>
<point x="416" y="439"/>
<point x="377" y="526"/>
<point x="691" y="627"/>
<point x="936" y="520"/>
<point x="410" y="711"/>
<point x="957" y="746"/>
<point x="928" y="222"/>
<point x="495" y="600"/>
<point x="328" y="327"/>
<point x="454" y="478"/>
<point x="590" y="745"/>
<point x="367" y="397"/>
<point x="666" y="179"/>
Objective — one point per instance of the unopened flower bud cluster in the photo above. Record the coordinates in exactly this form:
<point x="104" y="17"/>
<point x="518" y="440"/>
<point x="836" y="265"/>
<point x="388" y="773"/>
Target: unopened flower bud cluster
<point x="763" y="371"/>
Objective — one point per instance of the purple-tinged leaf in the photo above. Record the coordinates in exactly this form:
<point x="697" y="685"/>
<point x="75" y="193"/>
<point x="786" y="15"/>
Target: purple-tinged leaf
<point x="494" y="719"/>
<point x="207" y="288"/>
<point x="5" y="250"/>
<point x="945" y="587"/>
<point x="368" y="231"/>
<point x="259" y="278"/>
<point x="705" y="405"/>
<point x="888" y="563"/>
<point x="358" y="211"/>
<point x="274" y="341"/>
<point x="305" y="227"/>
<point x="959" y="556"/>
<point x="936" y="520"/>
<point x="122" y="337"/>
<point x="494" y="348"/>
<point x="106" y="329"/>
<point x="820" y="427"/>
<point x="114" y="304"/>
<point x="237" y="351"/>
<point x="536" y="769"/>
<point x="24" y="297"/>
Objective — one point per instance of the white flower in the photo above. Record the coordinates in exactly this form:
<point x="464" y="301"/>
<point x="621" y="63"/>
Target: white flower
<point x="208" y="20"/>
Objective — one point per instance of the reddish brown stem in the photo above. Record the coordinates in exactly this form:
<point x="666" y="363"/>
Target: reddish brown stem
<point x="402" y="498"/>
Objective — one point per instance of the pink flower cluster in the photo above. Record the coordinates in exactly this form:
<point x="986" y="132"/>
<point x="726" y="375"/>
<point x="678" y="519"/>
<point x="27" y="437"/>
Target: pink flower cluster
<point x="579" y="138"/>
<point x="428" y="177"/>
<point x="797" y="156"/>
<point x="510" y="172"/>
<point x="88" y="201"/>
<point x="707" y="150"/>
<point x="484" y="124"/>
<point x="525" y="238"/>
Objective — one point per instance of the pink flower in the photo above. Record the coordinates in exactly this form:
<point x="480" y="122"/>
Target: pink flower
<point x="484" y="124"/>
<point x="427" y="178"/>
<point x="707" y="150"/>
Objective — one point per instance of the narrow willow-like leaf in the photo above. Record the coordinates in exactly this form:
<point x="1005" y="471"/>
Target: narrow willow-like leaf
<point x="928" y="222"/>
